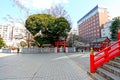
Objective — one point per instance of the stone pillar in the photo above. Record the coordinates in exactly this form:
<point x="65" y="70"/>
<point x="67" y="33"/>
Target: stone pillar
<point x="66" y="49"/>
<point x="74" y="49"/>
<point x="55" y="49"/>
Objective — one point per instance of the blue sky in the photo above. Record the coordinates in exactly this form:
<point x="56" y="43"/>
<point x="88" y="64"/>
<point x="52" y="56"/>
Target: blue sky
<point x="75" y="8"/>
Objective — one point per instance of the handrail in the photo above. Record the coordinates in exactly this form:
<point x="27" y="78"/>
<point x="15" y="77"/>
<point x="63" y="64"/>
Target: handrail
<point x="107" y="47"/>
<point x="103" y="56"/>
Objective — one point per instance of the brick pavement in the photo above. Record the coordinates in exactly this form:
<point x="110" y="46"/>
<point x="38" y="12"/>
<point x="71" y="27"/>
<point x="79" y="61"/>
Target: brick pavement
<point x="40" y="67"/>
<point x="81" y="59"/>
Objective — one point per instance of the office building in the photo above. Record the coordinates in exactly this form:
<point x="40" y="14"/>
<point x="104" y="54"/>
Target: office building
<point x="89" y="26"/>
<point x="13" y="34"/>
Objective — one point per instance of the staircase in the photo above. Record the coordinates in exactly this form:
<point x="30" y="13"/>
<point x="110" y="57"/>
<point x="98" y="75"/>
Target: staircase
<point x="105" y="64"/>
<point x="109" y="71"/>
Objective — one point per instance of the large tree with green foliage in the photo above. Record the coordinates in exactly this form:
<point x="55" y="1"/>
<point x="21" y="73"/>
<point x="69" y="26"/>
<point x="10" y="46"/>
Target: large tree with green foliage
<point x="114" y="28"/>
<point x="47" y="28"/>
<point x="37" y="22"/>
<point x="2" y="43"/>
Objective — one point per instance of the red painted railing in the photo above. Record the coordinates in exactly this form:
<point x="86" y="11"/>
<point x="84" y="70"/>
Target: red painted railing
<point x="103" y="56"/>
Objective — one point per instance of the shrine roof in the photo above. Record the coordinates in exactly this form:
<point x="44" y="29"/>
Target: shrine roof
<point x="102" y="39"/>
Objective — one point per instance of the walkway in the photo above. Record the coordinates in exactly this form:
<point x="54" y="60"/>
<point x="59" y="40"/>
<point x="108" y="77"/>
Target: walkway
<point x="40" y="67"/>
<point x="81" y="59"/>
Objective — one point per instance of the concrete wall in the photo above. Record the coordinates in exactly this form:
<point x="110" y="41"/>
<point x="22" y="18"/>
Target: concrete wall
<point x="38" y="50"/>
<point x="8" y="51"/>
<point x="46" y="50"/>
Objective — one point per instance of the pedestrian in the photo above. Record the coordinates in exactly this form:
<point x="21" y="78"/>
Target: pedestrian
<point x="82" y="50"/>
<point x="18" y="50"/>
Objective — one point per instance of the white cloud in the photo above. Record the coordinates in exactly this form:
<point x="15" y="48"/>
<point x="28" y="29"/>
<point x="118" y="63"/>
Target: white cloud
<point x="40" y="4"/>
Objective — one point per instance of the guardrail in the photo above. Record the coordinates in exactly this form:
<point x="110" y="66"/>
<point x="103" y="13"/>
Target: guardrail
<point x="103" y="56"/>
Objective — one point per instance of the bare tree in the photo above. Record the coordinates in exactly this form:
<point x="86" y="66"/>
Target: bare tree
<point x="22" y="7"/>
<point x="58" y="11"/>
<point x="21" y="18"/>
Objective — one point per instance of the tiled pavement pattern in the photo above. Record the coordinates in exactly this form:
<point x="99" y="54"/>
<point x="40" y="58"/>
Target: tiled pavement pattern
<point x="81" y="59"/>
<point x="40" y="67"/>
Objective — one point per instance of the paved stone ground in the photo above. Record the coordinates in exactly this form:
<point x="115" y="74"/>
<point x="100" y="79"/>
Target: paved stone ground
<point x="81" y="59"/>
<point x="40" y="67"/>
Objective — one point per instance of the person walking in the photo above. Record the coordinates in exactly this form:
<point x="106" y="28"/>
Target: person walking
<point x="82" y="50"/>
<point x="18" y="50"/>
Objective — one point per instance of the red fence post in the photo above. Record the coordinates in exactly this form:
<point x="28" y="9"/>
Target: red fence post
<point x="64" y="46"/>
<point x="119" y="37"/>
<point x="106" y="54"/>
<point x="92" y="66"/>
<point x="56" y="44"/>
<point x="119" y="34"/>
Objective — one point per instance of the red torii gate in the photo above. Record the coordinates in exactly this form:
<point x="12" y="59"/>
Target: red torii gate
<point x="61" y="43"/>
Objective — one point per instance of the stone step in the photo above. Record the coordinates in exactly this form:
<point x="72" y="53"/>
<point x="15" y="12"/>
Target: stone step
<point x="113" y="63"/>
<point x="118" y="56"/>
<point x="95" y="76"/>
<point x="117" y="59"/>
<point x="111" y="69"/>
<point x="106" y="74"/>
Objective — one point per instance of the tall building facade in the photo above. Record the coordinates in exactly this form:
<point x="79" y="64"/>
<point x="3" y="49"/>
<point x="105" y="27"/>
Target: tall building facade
<point x="89" y="26"/>
<point x="13" y="34"/>
<point x="5" y="32"/>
